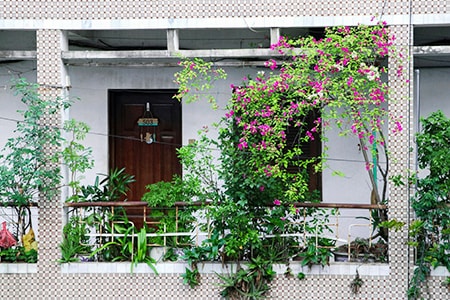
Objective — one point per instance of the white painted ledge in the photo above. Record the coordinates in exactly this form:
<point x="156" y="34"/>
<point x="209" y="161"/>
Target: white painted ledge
<point x="440" y="271"/>
<point x="17" y="268"/>
<point x="216" y="267"/>
<point x="335" y="268"/>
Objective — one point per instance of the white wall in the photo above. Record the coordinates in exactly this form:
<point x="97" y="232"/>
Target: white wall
<point x="90" y="84"/>
<point x="10" y="103"/>
<point x="432" y="91"/>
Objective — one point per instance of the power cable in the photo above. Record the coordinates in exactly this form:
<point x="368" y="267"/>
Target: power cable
<point x="166" y="143"/>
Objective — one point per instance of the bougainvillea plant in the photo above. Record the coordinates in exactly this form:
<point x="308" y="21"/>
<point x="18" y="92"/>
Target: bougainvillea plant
<point x="337" y="81"/>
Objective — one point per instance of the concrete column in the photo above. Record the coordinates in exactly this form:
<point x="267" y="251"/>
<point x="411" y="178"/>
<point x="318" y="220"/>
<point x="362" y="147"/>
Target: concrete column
<point x="173" y="42"/>
<point x="274" y="35"/>
<point x="51" y="76"/>
<point x="401" y="160"/>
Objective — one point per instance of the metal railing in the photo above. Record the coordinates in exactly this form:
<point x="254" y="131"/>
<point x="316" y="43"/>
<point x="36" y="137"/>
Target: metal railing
<point x="98" y="235"/>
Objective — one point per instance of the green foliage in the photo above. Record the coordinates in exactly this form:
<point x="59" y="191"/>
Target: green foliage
<point x="162" y="197"/>
<point x="392" y="224"/>
<point x="196" y="79"/>
<point x="191" y="277"/>
<point x="248" y="283"/>
<point x="210" y="250"/>
<point x="129" y="245"/>
<point x="301" y="276"/>
<point x="18" y="254"/>
<point x="75" y="155"/>
<point x="201" y="169"/>
<point x="26" y="169"/>
<point x="356" y="283"/>
<point x="430" y="232"/>
<point x="141" y="254"/>
<point x="113" y="187"/>
<point x="119" y="248"/>
<point x="317" y="252"/>
<point x="74" y="236"/>
<point x="170" y="255"/>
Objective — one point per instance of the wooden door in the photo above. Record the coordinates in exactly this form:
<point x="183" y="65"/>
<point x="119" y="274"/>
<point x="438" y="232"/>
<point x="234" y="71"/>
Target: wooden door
<point x="149" y="163"/>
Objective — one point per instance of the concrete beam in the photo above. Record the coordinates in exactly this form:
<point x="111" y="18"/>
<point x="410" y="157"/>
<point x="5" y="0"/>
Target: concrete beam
<point x="143" y="55"/>
<point x="431" y="50"/>
<point x="17" y="55"/>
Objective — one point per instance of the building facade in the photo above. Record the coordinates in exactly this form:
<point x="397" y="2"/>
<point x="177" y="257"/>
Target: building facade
<point x="102" y="50"/>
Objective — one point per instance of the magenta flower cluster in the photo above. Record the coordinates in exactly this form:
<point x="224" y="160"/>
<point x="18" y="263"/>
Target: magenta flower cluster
<point x="336" y="79"/>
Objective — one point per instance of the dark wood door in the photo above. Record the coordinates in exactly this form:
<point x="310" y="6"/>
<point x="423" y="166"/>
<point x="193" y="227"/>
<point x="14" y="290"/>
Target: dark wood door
<point x="149" y="163"/>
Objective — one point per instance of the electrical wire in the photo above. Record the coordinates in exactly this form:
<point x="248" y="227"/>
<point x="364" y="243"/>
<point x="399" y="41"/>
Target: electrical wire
<point x="336" y="159"/>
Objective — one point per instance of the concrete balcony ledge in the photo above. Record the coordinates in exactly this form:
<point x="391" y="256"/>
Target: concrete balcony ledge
<point x="217" y="267"/>
<point x="17" y="268"/>
<point x="440" y="271"/>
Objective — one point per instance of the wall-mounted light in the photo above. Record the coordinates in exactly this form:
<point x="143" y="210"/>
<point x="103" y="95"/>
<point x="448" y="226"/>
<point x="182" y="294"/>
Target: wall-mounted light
<point x="146" y="123"/>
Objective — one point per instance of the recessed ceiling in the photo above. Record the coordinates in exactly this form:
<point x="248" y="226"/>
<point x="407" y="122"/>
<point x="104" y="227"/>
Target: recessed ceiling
<point x="189" y="39"/>
<point x="432" y="36"/>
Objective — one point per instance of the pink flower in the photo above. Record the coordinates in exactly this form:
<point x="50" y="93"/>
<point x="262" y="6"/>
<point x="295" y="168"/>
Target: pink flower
<point x="230" y="114"/>
<point x="271" y="63"/>
<point x="242" y="144"/>
<point x="350" y="81"/>
<point x="261" y="188"/>
<point x="264" y="129"/>
<point x="263" y="145"/>
<point x="267" y="171"/>
<point x="310" y="135"/>
<point x="398" y="127"/>
<point x="277" y="202"/>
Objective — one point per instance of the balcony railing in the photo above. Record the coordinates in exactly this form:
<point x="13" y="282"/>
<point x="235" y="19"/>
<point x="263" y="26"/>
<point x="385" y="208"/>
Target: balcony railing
<point x="341" y="226"/>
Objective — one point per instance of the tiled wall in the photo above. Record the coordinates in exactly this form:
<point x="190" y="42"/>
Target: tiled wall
<point x="49" y="282"/>
<point x="135" y="9"/>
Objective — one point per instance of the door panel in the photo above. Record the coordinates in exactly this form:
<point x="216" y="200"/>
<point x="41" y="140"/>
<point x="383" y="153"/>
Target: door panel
<point x="149" y="163"/>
